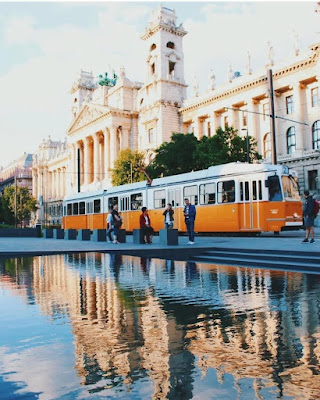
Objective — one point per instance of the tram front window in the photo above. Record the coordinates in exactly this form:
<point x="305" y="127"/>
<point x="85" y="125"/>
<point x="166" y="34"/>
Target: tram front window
<point x="274" y="188"/>
<point x="290" y="188"/>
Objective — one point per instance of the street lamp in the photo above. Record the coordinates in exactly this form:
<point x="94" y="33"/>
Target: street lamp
<point x="248" y="144"/>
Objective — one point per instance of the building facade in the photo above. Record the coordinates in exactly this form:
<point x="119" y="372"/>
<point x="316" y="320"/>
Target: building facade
<point x="117" y="113"/>
<point x="18" y="172"/>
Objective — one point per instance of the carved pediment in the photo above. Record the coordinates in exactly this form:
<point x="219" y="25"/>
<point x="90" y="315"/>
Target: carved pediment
<point x="87" y="115"/>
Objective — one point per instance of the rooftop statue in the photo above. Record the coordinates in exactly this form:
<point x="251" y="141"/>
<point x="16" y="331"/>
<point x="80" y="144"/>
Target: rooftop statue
<point x="105" y="81"/>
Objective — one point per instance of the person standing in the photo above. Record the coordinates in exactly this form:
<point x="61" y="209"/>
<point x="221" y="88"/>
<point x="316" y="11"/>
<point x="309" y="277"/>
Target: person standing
<point x="116" y="222"/>
<point x="189" y="213"/>
<point x="145" y="226"/>
<point x="109" y="226"/>
<point x="308" y="214"/>
<point x="168" y="217"/>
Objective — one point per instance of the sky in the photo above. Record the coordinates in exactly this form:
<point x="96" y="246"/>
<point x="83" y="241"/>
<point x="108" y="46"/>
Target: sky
<point x="44" y="45"/>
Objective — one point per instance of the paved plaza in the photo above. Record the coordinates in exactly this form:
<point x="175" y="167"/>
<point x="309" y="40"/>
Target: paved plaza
<point x="286" y="241"/>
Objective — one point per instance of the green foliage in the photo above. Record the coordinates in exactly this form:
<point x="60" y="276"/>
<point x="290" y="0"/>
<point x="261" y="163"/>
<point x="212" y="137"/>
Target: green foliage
<point x="186" y="153"/>
<point x="128" y="167"/>
<point x="175" y="157"/>
<point x="25" y="204"/>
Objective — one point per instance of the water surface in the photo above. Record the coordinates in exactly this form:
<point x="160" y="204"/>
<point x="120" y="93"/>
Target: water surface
<point x="101" y="326"/>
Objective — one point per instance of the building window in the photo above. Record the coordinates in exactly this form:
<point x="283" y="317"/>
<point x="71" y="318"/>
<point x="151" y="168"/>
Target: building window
<point x="312" y="179"/>
<point x="266" y="146"/>
<point x="171" y="68"/>
<point x="314" y="97"/>
<point x="151" y="135"/>
<point x="153" y="46"/>
<point x="289" y="104"/>
<point x="316" y="135"/>
<point x="244" y="118"/>
<point x="291" y="140"/>
<point x="209" y="129"/>
<point x="170" y="45"/>
<point x="265" y="111"/>
<point x="153" y="68"/>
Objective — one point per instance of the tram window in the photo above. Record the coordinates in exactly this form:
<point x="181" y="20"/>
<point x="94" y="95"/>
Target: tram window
<point x="90" y="207"/>
<point x="274" y="188"/>
<point x="260" y="189"/>
<point x="191" y="192"/>
<point x="82" y="208"/>
<point x="208" y="193"/>
<point x="124" y="203"/>
<point x="159" y="197"/>
<point x="112" y="201"/>
<point x="254" y="190"/>
<point x="136" y="201"/>
<point x="69" y="209"/>
<point x="226" y="192"/>
<point x="96" y="206"/>
<point x="246" y="191"/>
<point x="74" y="209"/>
<point x="64" y="210"/>
<point x="241" y="191"/>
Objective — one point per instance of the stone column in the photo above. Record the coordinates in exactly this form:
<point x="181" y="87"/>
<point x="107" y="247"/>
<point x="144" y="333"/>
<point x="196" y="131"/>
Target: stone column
<point x="101" y="158"/>
<point x="34" y="183"/>
<point x="106" y="155"/>
<point x="113" y="146"/>
<point x="96" y="160"/>
<point x="86" y="161"/>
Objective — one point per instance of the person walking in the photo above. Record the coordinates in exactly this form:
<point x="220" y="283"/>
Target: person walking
<point x="189" y="213"/>
<point x="109" y="226"/>
<point x="116" y="222"/>
<point x="308" y="214"/>
<point x="168" y="217"/>
<point x="145" y="226"/>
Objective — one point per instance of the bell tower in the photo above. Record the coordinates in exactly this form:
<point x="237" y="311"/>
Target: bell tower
<point x="165" y="60"/>
<point x="165" y="89"/>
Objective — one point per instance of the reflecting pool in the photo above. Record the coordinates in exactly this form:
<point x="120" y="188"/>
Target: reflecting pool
<point x="101" y="326"/>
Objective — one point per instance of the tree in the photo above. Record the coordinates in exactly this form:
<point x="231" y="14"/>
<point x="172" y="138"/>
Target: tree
<point x="224" y="147"/>
<point x="174" y="157"/>
<point x="25" y="204"/>
<point x="128" y="167"/>
<point x="185" y="153"/>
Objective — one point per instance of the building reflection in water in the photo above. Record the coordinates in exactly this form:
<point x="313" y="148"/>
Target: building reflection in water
<point x="162" y="321"/>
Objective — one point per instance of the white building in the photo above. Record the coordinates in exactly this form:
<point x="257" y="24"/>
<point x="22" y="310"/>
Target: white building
<point x="120" y="113"/>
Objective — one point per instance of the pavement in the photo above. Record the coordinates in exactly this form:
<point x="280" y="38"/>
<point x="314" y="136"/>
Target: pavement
<point x="285" y="241"/>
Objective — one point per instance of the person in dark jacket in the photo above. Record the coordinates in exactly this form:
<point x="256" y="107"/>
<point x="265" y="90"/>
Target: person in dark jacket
<point x="145" y="226"/>
<point x="168" y="217"/>
<point x="189" y="213"/>
<point x="308" y="214"/>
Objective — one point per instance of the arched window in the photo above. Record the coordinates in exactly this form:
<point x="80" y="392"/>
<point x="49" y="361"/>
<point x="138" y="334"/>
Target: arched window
<point x="153" y="46"/>
<point x="153" y="68"/>
<point x="266" y="146"/>
<point x="170" y="45"/>
<point x="291" y="140"/>
<point x="316" y="135"/>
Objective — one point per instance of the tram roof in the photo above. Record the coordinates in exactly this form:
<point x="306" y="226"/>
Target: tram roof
<point x="214" y="171"/>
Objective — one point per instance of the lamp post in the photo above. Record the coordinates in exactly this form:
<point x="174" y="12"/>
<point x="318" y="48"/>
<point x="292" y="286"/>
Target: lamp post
<point x="247" y="144"/>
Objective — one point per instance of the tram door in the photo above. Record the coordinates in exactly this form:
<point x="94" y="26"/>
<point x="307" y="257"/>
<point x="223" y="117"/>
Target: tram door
<point x="174" y="197"/>
<point x="250" y="196"/>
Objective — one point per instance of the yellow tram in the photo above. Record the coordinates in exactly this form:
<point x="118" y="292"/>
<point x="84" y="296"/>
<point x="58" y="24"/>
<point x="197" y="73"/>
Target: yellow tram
<point x="234" y="197"/>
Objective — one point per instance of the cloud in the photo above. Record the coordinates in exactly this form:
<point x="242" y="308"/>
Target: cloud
<point x="19" y="30"/>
